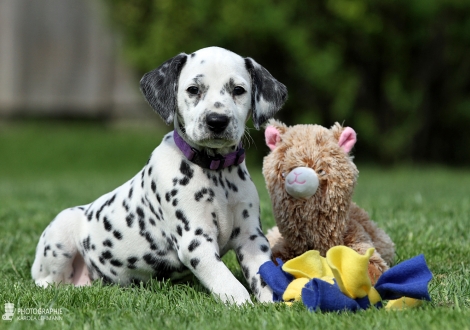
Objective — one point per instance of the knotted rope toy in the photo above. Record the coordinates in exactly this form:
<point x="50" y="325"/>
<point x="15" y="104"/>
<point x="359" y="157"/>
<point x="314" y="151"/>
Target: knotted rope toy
<point x="340" y="281"/>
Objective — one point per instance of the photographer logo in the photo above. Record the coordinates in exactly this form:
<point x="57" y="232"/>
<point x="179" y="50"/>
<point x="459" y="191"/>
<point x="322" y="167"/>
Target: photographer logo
<point x="31" y="314"/>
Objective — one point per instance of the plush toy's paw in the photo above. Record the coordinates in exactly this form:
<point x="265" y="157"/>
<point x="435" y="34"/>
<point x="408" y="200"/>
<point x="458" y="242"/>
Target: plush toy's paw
<point x="376" y="268"/>
<point x="374" y="272"/>
<point x="273" y="235"/>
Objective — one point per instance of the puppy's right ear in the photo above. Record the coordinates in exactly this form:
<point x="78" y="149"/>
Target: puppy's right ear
<point x="161" y="85"/>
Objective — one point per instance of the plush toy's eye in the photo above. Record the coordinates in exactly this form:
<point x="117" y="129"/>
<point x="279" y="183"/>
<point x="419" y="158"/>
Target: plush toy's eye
<point x="321" y="172"/>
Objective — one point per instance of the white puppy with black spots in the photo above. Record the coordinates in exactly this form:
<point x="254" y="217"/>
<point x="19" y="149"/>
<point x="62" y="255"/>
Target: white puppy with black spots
<point x="194" y="199"/>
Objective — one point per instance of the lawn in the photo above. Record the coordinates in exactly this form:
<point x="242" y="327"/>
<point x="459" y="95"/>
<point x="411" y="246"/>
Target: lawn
<point x="48" y="166"/>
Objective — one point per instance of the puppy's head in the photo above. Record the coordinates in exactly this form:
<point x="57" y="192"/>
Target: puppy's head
<point x="211" y="93"/>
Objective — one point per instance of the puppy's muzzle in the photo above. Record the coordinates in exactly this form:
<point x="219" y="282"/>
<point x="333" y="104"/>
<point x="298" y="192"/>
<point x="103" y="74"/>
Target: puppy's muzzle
<point x="217" y="123"/>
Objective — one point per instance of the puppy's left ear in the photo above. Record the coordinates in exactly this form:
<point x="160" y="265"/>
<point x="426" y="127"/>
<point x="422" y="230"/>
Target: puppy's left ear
<point x="160" y="86"/>
<point x="268" y="95"/>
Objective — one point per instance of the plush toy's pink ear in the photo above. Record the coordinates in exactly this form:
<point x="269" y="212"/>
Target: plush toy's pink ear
<point x="273" y="136"/>
<point x="347" y="140"/>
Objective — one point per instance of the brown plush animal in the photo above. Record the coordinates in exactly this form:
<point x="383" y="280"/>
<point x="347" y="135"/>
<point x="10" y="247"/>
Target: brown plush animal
<point x="310" y="177"/>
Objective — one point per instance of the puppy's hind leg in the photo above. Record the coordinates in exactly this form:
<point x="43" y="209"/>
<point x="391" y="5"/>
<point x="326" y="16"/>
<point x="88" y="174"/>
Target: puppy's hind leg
<point x="57" y="249"/>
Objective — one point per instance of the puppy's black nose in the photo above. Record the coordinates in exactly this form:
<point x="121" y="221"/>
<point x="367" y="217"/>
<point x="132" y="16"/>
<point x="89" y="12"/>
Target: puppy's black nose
<point x="217" y="123"/>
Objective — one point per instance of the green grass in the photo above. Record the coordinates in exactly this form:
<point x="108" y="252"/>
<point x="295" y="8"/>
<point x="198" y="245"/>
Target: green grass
<point x="46" y="167"/>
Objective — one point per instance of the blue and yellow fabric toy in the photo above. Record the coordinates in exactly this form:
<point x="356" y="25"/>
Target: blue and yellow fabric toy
<point x="340" y="282"/>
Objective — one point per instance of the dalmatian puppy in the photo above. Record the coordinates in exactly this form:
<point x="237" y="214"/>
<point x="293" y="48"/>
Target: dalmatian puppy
<point x="192" y="202"/>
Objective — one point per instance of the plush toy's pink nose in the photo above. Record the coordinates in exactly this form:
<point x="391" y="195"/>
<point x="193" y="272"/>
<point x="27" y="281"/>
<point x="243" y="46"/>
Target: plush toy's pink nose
<point x="301" y="182"/>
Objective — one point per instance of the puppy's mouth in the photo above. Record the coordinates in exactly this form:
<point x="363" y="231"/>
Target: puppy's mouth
<point x="216" y="142"/>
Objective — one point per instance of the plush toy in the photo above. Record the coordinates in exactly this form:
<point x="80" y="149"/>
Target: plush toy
<point x="310" y="177"/>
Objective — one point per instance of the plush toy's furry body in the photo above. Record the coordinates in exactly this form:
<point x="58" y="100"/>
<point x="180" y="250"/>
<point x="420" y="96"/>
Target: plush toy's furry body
<point x="310" y="178"/>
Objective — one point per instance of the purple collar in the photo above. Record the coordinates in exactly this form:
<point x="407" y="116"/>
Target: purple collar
<point x="214" y="163"/>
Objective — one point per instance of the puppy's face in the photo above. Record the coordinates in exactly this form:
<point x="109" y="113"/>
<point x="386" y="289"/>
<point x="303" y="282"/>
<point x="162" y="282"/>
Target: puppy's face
<point x="211" y="93"/>
<point x="214" y="98"/>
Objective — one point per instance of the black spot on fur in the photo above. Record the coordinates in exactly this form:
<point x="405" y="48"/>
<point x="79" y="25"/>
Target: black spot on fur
<point x="207" y="237"/>
<point x="67" y="255"/>
<point x="179" y="230"/>
<point x="181" y="216"/>
<point x="99" y="211"/>
<point x="153" y="185"/>
<point x="149" y="238"/>
<point x="198" y="195"/>
<point x="86" y="243"/>
<point x="198" y="231"/>
<point x="245" y="214"/>
<point x="149" y="259"/>
<point x="141" y="224"/>
<point x="107" y="224"/>
<point x="111" y="200"/>
<point x="184" y="181"/>
<point x="241" y="174"/>
<point x="194" y="262"/>
<point x="153" y="212"/>
<point x="140" y="212"/>
<point x="235" y="233"/>
<point x="117" y="234"/>
<point x="108" y="243"/>
<point x="130" y="219"/>
<point x="130" y="192"/>
<point x="59" y="246"/>
<point x="187" y="171"/>
<point x="263" y="283"/>
<point x="96" y="268"/>
<point x="132" y="260"/>
<point x="107" y="254"/>
<point x="150" y="170"/>
<point x="116" y="262"/>
<point x="90" y="216"/>
<point x="175" y="202"/>
<point x="254" y="285"/>
<point x="246" y="272"/>
<point x="193" y="245"/>
<point x="228" y="87"/>
<point x="125" y="205"/>
<point x="253" y="237"/>
<point x="54" y="254"/>
<point x="240" y="256"/>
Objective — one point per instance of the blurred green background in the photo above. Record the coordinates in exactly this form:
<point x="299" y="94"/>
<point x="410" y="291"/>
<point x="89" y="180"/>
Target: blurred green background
<point x="397" y="71"/>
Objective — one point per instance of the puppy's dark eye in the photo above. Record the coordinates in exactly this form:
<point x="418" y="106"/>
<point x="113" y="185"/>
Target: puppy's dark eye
<point x="238" y="90"/>
<point x="193" y="90"/>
